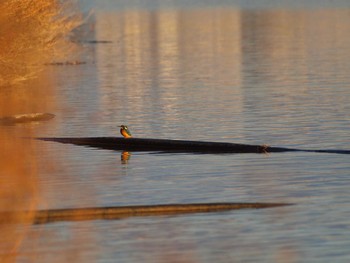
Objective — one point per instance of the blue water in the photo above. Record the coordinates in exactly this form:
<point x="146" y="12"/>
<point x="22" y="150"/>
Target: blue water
<point x="225" y="71"/>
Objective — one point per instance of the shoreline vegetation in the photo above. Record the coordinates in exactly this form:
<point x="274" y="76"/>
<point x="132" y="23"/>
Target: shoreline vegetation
<point x="32" y="33"/>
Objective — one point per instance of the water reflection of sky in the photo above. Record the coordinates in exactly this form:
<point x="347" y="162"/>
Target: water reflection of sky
<point x="274" y="72"/>
<point x="241" y="4"/>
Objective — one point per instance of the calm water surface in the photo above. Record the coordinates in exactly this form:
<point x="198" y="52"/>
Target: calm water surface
<point x="216" y="73"/>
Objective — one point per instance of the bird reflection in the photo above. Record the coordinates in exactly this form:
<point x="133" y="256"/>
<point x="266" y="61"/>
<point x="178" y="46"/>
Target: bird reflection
<point x="124" y="157"/>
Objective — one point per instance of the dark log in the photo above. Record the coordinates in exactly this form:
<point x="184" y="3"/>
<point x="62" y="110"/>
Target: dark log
<point x="183" y="146"/>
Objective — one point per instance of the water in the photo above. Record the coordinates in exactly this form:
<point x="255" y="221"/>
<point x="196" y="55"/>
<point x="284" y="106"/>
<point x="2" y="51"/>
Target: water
<point x="218" y="72"/>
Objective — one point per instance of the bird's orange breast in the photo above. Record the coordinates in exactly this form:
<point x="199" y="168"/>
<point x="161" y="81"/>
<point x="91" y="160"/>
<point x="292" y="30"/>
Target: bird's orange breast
<point x="125" y="133"/>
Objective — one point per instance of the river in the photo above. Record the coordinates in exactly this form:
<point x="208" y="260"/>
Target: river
<point x="228" y="71"/>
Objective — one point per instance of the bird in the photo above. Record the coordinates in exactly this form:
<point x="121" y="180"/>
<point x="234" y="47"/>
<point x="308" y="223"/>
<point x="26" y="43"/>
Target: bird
<point x="124" y="130"/>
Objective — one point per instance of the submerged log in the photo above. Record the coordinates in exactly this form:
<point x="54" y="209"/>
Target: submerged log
<point x="66" y="63"/>
<point x="98" y="213"/>
<point x="25" y="118"/>
<point x="120" y="212"/>
<point x="184" y="146"/>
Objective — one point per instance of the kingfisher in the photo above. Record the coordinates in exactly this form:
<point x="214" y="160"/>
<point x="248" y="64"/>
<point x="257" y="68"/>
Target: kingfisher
<point x="124" y="130"/>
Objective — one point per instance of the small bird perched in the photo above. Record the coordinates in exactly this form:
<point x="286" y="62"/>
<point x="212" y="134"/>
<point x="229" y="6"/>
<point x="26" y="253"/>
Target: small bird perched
<point x="124" y="130"/>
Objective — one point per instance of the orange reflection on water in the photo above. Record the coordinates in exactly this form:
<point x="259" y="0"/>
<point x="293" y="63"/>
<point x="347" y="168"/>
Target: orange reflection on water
<point x="32" y="33"/>
<point x="125" y="157"/>
<point x="155" y="56"/>
<point x="18" y="186"/>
